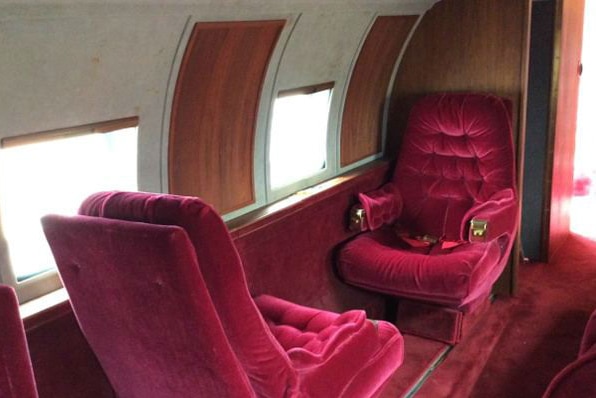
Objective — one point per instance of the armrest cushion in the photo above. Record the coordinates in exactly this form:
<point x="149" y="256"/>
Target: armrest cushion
<point x="499" y="212"/>
<point x="382" y="206"/>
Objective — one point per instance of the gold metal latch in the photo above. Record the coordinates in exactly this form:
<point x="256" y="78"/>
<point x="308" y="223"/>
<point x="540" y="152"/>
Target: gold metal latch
<point x="478" y="230"/>
<point x="357" y="217"/>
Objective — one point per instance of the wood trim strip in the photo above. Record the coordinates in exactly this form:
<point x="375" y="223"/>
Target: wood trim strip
<point x="92" y="128"/>
<point x="306" y="90"/>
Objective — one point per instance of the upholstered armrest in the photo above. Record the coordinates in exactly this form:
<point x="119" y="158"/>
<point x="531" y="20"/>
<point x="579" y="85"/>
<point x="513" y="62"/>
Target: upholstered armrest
<point x="491" y="219"/>
<point x="380" y="207"/>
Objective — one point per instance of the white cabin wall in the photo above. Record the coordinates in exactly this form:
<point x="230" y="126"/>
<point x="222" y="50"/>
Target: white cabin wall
<point x="65" y="64"/>
<point x="62" y="72"/>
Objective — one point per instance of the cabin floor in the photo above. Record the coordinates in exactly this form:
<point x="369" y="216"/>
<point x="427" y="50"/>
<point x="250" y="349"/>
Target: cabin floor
<point x="519" y="345"/>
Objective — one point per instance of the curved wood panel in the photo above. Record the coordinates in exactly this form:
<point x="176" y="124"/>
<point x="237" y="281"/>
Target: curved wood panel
<point x="214" y="111"/>
<point x="363" y="111"/>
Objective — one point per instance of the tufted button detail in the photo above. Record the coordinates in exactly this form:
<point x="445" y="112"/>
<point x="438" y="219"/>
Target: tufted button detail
<point x="158" y="283"/>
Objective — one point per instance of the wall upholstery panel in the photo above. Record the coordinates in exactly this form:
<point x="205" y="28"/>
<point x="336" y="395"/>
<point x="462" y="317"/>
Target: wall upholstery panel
<point x="214" y="111"/>
<point x="63" y="362"/>
<point x="290" y="253"/>
<point x="361" y="129"/>
<point x="467" y="45"/>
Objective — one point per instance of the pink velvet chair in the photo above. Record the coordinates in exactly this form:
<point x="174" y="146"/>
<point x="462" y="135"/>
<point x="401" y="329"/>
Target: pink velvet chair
<point x="159" y="291"/>
<point x="578" y="379"/>
<point x="440" y="232"/>
<point x="16" y="372"/>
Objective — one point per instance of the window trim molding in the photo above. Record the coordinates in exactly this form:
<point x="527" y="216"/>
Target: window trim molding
<point x="49" y="280"/>
<point x="275" y="194"/>
<point x="306" y="90"/>
<point x="68" y="132"/>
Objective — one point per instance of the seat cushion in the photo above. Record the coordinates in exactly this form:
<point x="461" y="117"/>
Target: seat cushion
<point x="381" y="261"/>
<point x="357" y="353"/>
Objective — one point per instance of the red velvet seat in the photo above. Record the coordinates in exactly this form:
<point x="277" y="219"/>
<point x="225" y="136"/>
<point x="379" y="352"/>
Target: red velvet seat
<point x="578" y="379"/>
<point x="456" y="164"/>
<point x="16" y="373"/>
<point x="160" y="293"/>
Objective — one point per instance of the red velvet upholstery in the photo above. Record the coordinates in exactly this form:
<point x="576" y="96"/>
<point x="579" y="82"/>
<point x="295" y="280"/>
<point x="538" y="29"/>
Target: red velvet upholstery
<point x="321" y="356"/>
<point x="578" y="379"/>
<point x="16" y="373"/>
<point x="382" y="206"/>
<point x="456" y="164"/>
<point x="589" y="338"/>
<point x="143" y="306"/>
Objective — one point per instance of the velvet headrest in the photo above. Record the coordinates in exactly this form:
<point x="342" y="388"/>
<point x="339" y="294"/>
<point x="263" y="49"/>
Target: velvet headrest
<point x="460" y="145"/>
<point x="146" y="207"/>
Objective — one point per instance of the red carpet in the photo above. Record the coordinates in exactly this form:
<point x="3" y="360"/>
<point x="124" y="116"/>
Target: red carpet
<point x="525" y="340"/>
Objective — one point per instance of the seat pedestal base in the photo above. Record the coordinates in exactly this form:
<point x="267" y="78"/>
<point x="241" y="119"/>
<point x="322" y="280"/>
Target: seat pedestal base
<point x="435" y="322"/>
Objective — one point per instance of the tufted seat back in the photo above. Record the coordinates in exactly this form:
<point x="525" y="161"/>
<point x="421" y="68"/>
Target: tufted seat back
<point x="258" y="351"/>
<point x="456" y="152"/>
<point x="284" y="349"/>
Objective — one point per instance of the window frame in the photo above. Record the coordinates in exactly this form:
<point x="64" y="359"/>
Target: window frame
<point x="275" y="194"/>
<point x="48" y="281"/>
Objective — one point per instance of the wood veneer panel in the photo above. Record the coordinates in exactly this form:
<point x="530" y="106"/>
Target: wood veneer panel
<point x="361" y="133"/>
<point x="214" y="111"/>
<point x="564" y="101"/>
<point x="462" y="45"/>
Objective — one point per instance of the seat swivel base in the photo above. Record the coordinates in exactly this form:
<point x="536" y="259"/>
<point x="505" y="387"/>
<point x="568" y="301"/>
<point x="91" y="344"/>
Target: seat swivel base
<point x="436" y="322"/>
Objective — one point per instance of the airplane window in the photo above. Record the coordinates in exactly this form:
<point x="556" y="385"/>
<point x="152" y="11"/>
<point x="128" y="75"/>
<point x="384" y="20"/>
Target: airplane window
<point x="54" y="175"/>
<point x="298" y="137"/>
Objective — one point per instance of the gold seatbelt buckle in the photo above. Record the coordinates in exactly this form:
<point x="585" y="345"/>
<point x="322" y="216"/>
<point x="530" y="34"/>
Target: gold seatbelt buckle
<point x="478" y="230"/>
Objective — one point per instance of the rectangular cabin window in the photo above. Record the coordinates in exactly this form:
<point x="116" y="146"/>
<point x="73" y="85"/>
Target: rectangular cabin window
<point x="52" y="172"/>
<point x="298" y="136"/>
